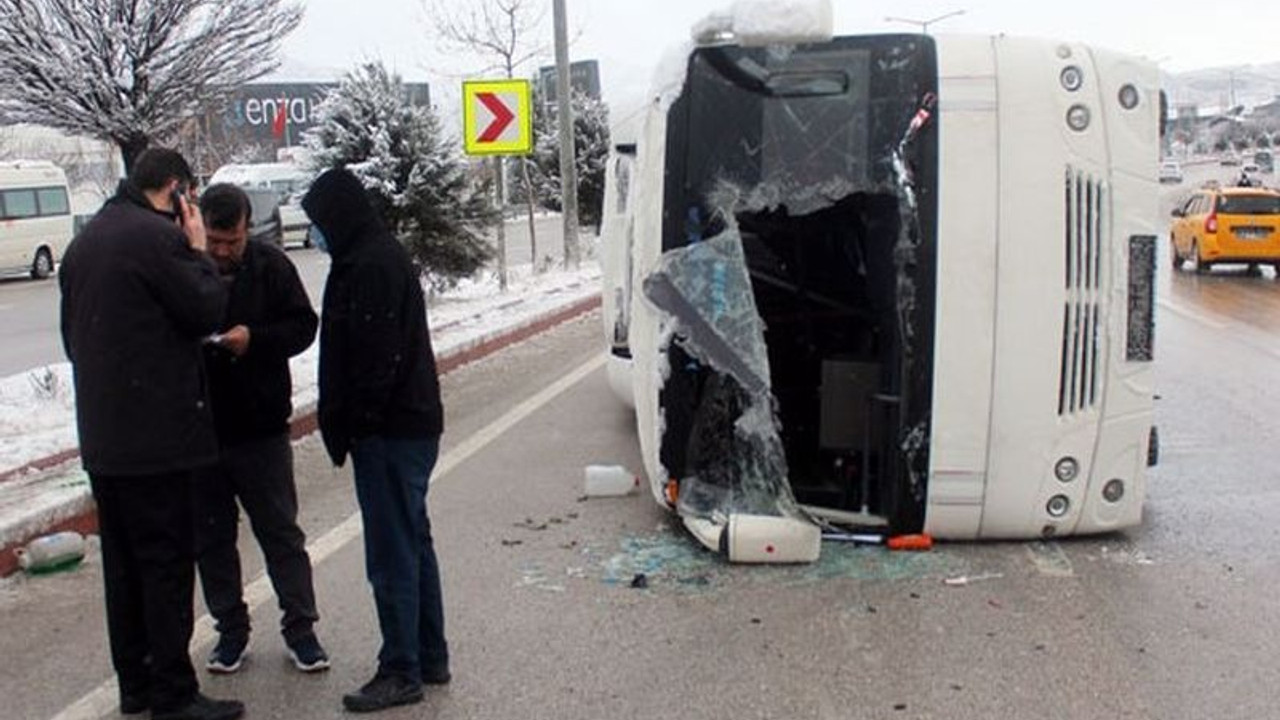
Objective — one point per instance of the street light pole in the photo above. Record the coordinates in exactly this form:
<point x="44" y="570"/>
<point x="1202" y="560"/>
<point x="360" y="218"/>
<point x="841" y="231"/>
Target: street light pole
<point x="568" y="168"/>
<point x="924" y="24"/>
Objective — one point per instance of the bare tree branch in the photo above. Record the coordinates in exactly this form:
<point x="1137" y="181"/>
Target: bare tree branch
<point x="132" y="71"/>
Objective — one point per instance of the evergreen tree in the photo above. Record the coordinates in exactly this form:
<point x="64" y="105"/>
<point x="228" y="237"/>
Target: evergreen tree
<point x="591" y="153"/>
<point x="419" y="186"/>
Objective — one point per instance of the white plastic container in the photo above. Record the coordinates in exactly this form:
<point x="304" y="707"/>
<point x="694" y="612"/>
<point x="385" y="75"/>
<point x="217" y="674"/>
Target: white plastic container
<point x="609" y="481"/>
<point x="769" y="539"/>
<point x="52" y="552"/>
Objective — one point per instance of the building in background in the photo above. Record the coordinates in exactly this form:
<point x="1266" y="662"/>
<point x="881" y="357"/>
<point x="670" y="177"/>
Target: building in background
<point x="584" y="76"/>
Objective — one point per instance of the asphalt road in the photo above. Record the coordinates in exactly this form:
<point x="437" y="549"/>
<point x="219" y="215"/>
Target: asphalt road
<point x="29" y="308"/>
<point x="1174" y="620"/>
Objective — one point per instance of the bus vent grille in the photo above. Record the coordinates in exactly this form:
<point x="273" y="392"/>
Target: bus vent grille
<point x="1084" y="214"/>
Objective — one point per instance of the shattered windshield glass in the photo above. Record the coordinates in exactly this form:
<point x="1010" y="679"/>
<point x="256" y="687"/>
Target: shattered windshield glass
<point x="792" y="237"/>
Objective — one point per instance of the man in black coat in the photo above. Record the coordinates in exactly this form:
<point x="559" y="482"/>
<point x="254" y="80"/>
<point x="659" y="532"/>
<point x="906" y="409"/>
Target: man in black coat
<point x="138" y="295"/>
<point x="269" y="320"/>
<point x="380" y="402"/>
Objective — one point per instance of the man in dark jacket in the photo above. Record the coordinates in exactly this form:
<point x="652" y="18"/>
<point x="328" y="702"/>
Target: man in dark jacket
<point x="380" y="402"/>
<point x="138" y="295"/>
<point x="269" y="320"/>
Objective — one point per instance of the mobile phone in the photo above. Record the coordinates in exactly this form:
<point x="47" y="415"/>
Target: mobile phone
<point x="175" y="197"/>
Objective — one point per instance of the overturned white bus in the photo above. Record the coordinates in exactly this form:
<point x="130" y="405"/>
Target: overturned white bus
<point x="894" y="283"/>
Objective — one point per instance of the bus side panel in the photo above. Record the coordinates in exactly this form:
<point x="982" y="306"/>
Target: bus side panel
<point x="965" y="341"/>
<point x="648" y="358"/>
<point x="1049" y="336"/>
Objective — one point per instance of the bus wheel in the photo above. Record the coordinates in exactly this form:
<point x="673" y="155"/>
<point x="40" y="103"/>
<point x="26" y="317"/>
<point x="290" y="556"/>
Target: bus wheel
<point x="1201" y="266"/>
<point x="42" y="266"/>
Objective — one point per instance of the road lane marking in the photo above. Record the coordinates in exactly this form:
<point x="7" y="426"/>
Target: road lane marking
<point x="102" y="701"/>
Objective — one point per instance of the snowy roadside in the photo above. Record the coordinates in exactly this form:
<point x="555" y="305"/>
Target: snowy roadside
<point x="37" y="408"/>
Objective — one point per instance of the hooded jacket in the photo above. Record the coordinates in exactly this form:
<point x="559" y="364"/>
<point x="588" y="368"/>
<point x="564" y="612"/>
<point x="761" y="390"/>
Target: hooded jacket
<point x="136" y="303"/>
<point x="377" y="368"/>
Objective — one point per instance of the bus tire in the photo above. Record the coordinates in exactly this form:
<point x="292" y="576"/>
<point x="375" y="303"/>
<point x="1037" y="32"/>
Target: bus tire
<point x="42" y="265"/>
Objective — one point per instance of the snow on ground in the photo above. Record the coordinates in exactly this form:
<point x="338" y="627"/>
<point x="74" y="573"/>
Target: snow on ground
<point x="37" y="408"/>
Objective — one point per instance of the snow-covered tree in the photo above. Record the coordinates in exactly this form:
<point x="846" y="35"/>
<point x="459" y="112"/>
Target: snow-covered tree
<point x="590" y="153"/>
<point x="419" y="184"/>
<point x="132" y="71"/>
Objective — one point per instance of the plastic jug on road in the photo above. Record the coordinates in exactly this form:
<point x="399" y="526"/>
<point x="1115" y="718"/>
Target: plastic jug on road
<point x="609" y="481"/>
<point x="51" y="553"/>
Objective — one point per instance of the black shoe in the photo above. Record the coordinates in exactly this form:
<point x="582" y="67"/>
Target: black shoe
<point x="307" y="655"/>
<point x="133" y="704"/>
<point x="227" y="655"/>
<point x="203" y="708"/>
<point x="382" y="692"/>
<point x="438" y="675"/>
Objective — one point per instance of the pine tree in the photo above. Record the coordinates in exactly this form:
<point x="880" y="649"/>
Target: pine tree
<point x="419" y="186"/>
<point x="591" y="153"/>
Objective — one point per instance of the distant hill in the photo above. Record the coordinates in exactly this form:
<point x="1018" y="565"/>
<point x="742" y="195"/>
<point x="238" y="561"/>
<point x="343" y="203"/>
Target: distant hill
<point x="1214" y="87"/>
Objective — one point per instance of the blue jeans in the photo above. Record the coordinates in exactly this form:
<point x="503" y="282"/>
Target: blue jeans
<point x="392" y="476"/>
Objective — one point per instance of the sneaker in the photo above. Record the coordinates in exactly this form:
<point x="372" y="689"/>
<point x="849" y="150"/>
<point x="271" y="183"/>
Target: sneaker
<point x="438" y="675"/>
<point x="203" y="708"/>
<point x="227" y="655"/>
<point x="307" y="655"/>
<point x="382" y="692"/>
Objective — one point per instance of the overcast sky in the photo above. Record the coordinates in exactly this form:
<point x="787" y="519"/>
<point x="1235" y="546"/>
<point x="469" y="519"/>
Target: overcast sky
<point x="628" y="36"/>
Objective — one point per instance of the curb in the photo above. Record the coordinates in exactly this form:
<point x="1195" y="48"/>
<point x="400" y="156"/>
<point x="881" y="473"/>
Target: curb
<point x="83" y="516"/>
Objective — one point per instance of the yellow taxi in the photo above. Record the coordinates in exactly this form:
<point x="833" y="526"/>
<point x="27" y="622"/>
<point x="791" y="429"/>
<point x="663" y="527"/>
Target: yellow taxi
<point x="1227" y="225"/>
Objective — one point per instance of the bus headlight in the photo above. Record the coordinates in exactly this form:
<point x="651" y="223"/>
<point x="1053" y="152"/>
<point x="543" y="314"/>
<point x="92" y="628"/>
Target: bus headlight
<point x="1078" y="118"/>
<point x="1071" y="78"/>
<point x="1113" y="490"/>
<point x="1058" y="506"/>
<point x="1066" y="470"/>
<point x="1129" y="97"/>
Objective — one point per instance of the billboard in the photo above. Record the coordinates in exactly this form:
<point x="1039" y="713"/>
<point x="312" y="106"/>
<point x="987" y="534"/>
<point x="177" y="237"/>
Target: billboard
<point x="278" y="113"/>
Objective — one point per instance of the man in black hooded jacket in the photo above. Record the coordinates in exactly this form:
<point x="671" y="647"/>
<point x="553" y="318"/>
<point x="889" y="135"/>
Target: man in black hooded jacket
<point x="138" y="295"/>
<point x="380" y="403"/>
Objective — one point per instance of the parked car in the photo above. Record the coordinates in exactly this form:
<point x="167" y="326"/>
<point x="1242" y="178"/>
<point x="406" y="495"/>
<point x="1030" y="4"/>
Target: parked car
<point x="295" y="221"/>
<point x="1227" y="225"/>
<point x="289" y="182"/>
<point x="1230" y="159"/>
<point x="265" y="224"/>
<point x="1265" y="160"/>
<point x="1170" y="172"/>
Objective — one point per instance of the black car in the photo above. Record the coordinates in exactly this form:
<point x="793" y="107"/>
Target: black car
<point x="264" y="220"/>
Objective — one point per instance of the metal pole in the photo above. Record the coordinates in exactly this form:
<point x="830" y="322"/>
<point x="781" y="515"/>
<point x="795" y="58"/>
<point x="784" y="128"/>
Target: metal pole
<point x="500" y="195"/>
<point x="568" y="169"/>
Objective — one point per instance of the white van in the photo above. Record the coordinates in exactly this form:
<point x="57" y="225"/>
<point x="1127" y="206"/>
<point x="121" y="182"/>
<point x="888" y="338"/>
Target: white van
<point x="35" y="216"/>
<point x="288" y="180"/>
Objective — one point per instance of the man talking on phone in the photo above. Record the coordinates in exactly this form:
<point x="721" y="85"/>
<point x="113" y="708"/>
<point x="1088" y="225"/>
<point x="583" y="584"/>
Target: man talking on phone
<point x="269" y="320"/>
<point x="138" y="296"/>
